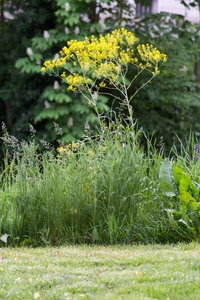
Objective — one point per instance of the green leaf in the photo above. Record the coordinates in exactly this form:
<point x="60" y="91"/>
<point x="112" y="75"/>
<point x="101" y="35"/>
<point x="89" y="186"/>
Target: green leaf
<point x="195" y="205"/>
<point x="186" y="197"/>
<point x="194" y="187"/>
<point x="184" y="184"/>
<point x="178" y="173"/>
<point x="166" y="178"/>
<point x="183" y="211"/>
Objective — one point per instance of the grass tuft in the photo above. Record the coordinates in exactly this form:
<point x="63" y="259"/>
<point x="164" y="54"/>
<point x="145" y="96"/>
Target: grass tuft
<point x="103" y="190"/>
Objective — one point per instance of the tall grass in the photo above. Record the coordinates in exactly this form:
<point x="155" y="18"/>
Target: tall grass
<point x="98" y="191"/>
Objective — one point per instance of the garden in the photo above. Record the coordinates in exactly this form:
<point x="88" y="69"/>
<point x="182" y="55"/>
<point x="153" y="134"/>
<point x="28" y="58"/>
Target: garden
<point x="104" y="188"/>
<point x="114" y="213"/>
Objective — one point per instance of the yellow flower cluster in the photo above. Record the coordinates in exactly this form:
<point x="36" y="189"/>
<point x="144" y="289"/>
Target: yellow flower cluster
<point x="74" y="81"/>
<point x="91" y="153"/>
<point x="73" y="146"/>
<point x="151" y="56"/>
<point x="63" y="151"/>
<point x="69" y="149"/>
<point x="48" y="65"/>
<point x="107" y="70"/>
<point x="103" y="58"/>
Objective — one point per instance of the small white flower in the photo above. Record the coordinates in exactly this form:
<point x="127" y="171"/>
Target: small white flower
<point x="76" y="30"/>
<point x="47" y="104"/>
<point x="67" y="6"/>
<point x="56" y="57"/>
<point x="67" y="31"/>
<point x="38" y="62"/>
<point x="4" y="238"/>
<point x="56" y="85"/>
<point x="29" y="51"/>
<point x="46" y="35"/>
<point x="70" y="122"/>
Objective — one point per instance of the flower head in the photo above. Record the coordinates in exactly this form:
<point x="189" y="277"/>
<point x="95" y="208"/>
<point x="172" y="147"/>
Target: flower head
<point x="56" y="85"/>
<point x="46" y="35"/>
<point x="196" y="149"/>
<point x="29" y="51"/>
<point x="67" y="6"/>
<point x="76" y="30"/>
<point x="103" y="60"/>
<point x="67" y="31"/>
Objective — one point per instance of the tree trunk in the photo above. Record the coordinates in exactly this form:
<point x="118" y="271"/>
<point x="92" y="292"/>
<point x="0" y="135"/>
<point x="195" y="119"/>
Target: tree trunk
<point x="9" y="120"/>
<point x="2" y="10"/>
<point x="197" y="72"/>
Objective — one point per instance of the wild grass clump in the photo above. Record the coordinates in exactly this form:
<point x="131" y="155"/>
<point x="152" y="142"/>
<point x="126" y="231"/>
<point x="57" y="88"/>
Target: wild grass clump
<point x="102" y="190"/>
<point x="87" y="192"/>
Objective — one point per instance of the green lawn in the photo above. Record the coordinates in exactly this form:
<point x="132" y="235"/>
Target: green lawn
<point x="113" y="272"/>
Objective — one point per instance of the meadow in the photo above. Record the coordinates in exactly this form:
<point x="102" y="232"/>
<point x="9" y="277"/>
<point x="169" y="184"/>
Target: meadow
<point x="99" y="272"/>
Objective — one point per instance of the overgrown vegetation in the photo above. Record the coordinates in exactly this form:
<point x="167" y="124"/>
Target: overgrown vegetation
<point x="96" y="191"/>
<point x="103" y="189"/>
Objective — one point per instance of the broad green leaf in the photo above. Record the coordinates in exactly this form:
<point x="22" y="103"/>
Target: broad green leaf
<point x="183" y="211"/>
<point x="194" y="187"/>
<point x="184" y="184"/>
<point x="186" y="197"/>
<point x="167" y="180"/>
<point x="195" y="205"/>
<point x="178" y="173"/>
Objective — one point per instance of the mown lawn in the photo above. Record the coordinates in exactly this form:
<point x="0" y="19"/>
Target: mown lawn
<point x="113" y="272"/>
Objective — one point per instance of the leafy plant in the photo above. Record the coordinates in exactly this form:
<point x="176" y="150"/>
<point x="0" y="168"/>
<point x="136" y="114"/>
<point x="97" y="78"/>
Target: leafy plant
<point x="178" y="184"/>
<point x="103" y="64"/>
<point x="94" y="191"/>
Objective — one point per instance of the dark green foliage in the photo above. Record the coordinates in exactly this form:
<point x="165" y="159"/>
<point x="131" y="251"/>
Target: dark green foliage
<point x="167" y="106"/>
<point x="192" y="3"/>
<point x="170" y="104"/>
<point x="20" y="93"/>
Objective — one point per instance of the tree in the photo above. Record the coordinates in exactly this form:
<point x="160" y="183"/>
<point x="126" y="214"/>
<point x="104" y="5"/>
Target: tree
<point x="19" y="92"/>
<point x="40" y="29"/>
<point x="189" y="3"/>
<point x="72" y="20"/>
<point x="170" y="104"/>
<point x="43" y="29"/>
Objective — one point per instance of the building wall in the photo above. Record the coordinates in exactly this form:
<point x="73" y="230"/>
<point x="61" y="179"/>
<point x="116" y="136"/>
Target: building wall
<point x="175" y="7"/>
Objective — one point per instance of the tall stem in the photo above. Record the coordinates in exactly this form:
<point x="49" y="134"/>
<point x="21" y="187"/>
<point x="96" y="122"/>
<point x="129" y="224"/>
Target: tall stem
<point x="130" y="111"/>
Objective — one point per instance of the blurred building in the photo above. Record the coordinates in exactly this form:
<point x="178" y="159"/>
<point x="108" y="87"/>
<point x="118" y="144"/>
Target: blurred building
<point x="170" y="6"/>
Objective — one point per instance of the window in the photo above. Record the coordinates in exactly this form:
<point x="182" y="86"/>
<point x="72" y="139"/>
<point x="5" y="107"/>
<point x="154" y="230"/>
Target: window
<point x="142" y="10"/>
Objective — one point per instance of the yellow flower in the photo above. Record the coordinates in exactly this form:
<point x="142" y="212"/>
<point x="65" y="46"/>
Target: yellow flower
<point x="91" y="153"/>
<point x="104" y="58"/>
<point x="102" y="147"/>
<point x="102" y="84"/>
